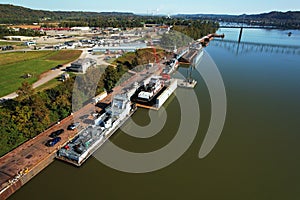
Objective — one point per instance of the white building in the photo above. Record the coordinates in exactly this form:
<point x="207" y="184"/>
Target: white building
<point x="82" y="65"/>
<point x="128" y="47"/>
<point x="120" y="106"/>
<point x="80" y="28"/>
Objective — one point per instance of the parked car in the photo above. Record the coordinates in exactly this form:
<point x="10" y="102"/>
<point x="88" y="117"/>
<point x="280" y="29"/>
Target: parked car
<point x="56" y="133"/>
<point x="52" y="142"/>
<point x="59" y="66"/>
<point x="73" y="126"/>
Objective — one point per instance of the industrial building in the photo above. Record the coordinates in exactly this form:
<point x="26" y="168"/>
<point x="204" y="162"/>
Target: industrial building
<point x="128" y="47"/>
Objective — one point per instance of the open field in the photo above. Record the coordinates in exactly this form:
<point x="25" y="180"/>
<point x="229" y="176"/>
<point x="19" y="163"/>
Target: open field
<point x="25" y="26"/>
<point x="4" y="43"/>
<point x="15" y="65"/>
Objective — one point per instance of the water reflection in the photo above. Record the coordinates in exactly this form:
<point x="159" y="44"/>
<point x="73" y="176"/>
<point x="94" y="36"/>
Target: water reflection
<point x="248" y="47"/>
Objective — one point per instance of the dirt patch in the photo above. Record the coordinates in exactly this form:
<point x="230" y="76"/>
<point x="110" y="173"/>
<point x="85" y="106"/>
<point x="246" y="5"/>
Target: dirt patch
<point x="26" y="26"/>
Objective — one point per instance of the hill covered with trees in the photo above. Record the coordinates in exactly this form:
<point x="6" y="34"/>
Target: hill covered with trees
<point x="289" y="19"/>
<point x="11" y="14"/>
<point x="284" y="20"/>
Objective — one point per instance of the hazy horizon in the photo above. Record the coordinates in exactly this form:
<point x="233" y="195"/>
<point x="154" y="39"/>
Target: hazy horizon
<point x="164" y="7"/>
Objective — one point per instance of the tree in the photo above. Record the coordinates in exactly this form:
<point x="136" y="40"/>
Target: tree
<point x="111" y="77"/>
<point x="40" y="115"/>
<point x="22" y="118"/>
<point x="25" y="91"/>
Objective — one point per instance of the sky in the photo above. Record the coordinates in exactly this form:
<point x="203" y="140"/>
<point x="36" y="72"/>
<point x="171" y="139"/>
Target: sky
<point x="167" y="7"/>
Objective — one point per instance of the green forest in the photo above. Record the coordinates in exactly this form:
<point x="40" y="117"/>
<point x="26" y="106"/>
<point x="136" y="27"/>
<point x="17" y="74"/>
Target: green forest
<point x="275" y="19"/>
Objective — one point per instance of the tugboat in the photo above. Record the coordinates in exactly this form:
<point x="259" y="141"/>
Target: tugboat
<point x="149" y="90"/>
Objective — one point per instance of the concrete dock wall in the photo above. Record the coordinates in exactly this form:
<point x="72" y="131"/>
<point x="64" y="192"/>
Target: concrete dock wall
<point x="166" y="94"/>
<point x="8" y="191"/>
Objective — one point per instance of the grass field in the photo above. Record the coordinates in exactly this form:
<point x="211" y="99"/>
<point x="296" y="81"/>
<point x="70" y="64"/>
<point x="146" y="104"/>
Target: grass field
<point x="50" y="84"/>
<point x="14" y="65"/>
<point x="4" y="43"/>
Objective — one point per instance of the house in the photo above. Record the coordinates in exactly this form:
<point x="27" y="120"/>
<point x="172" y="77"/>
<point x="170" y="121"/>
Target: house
<point x="82" y="65"/>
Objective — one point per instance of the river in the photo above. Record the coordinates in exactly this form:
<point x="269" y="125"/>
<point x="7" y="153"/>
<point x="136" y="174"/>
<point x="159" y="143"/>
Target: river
<point x="256" y="156"/>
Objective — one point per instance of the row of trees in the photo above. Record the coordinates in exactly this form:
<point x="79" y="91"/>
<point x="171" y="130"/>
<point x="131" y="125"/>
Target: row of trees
<point x="137" y="21"/>
<point x="4" y="31"/>
<point x="115" y="21"/>
<point x="197" y="28"/>
<point x="283" y="20"/>
<point x="183" y="35"/>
